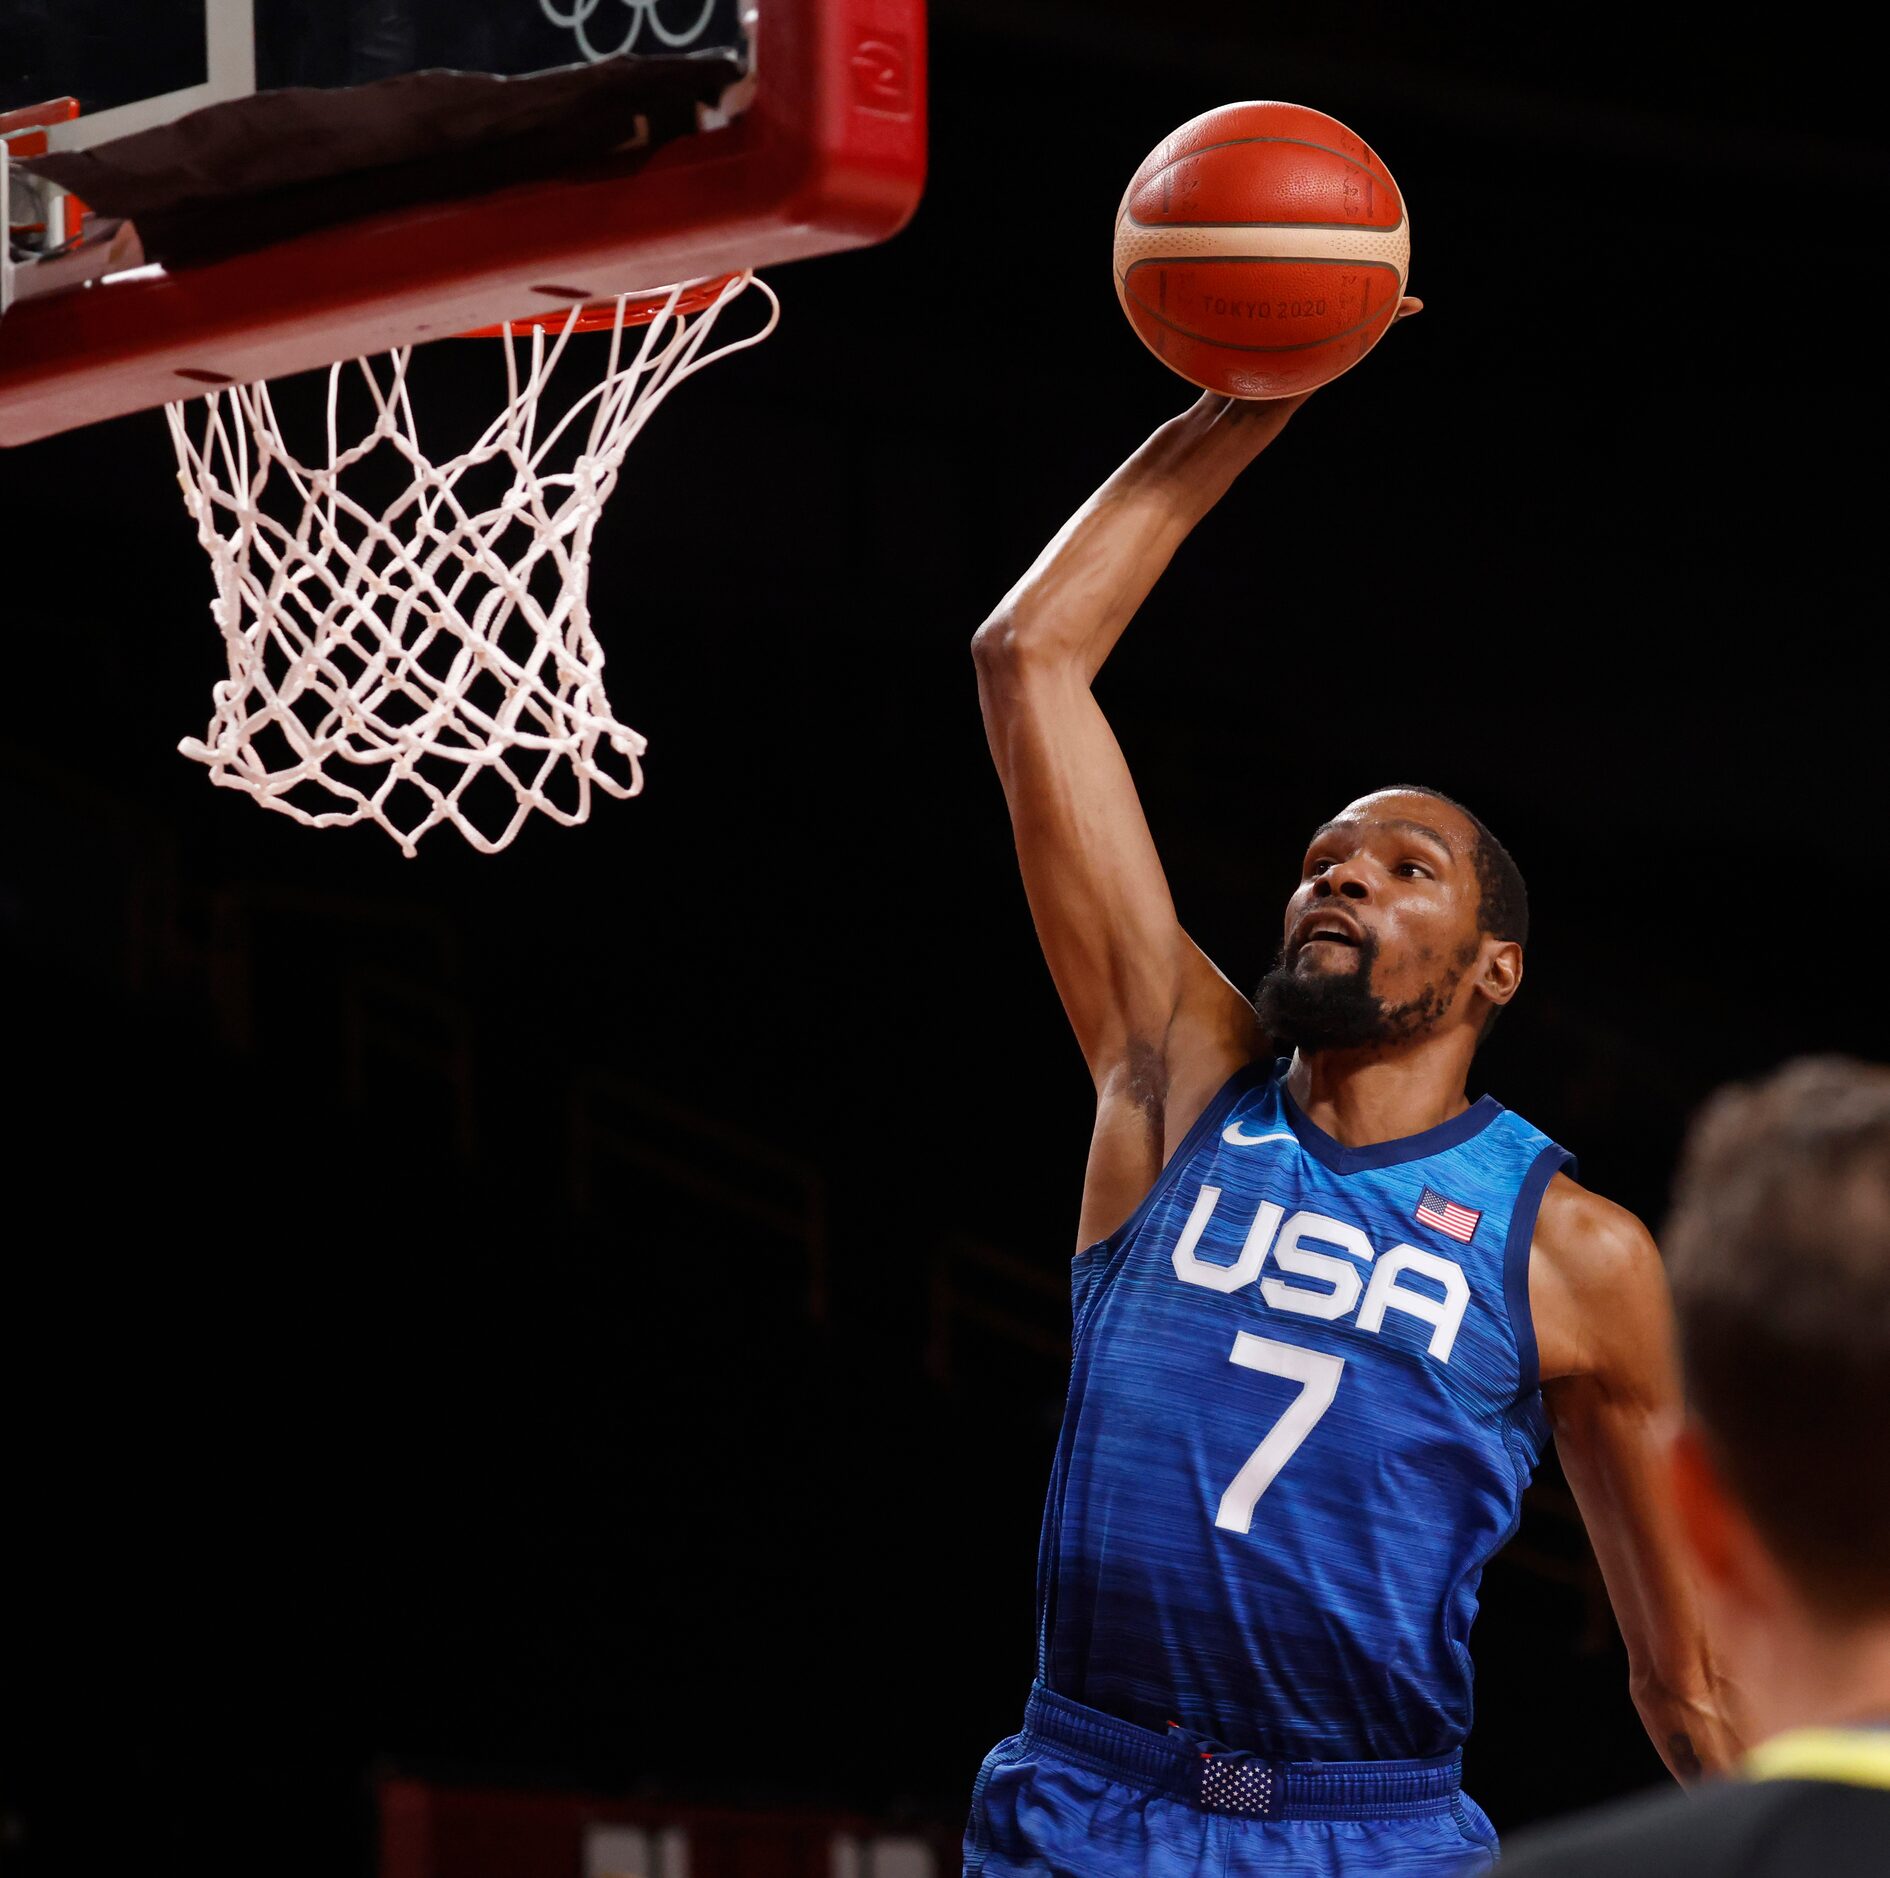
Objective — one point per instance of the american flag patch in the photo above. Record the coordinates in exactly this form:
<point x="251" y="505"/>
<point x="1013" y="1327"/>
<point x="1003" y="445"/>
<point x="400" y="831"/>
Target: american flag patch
<point x="1446" y="1215"/>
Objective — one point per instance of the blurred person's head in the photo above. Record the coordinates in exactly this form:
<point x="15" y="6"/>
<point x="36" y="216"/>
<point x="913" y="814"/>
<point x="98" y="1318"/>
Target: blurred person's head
<point x="1778" y="1248"/>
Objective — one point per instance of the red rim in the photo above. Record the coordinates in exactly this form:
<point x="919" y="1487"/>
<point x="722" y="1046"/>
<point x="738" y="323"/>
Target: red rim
<point x="601" y="315"/>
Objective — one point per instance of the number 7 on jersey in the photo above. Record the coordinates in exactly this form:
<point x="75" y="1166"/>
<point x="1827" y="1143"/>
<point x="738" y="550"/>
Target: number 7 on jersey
<point x="1318" y="1379"/>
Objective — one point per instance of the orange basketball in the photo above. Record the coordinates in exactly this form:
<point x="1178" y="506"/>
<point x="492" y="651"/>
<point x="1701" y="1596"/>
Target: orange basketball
<point x="1261" y="250"/>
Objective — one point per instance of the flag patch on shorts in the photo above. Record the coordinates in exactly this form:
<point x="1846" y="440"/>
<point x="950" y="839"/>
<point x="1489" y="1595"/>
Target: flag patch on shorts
<point x="1446" y="1215"/>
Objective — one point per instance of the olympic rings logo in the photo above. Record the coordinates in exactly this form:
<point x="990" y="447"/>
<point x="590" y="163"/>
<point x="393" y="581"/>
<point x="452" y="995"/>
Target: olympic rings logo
<point x="643" y="13"/>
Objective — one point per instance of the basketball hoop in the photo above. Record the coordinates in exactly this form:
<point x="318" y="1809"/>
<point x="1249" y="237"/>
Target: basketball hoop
<point x="427" y="656"/>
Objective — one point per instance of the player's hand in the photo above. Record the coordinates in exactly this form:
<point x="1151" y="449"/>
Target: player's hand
<point x="1248" y="425"/>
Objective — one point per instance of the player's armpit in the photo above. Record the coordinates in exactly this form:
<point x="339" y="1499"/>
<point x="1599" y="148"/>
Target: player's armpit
<point x="1603" y="1319"/>
<point x="1147" y="1103"/>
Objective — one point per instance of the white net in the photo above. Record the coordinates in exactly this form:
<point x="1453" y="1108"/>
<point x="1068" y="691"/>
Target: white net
<point x="420" y="652"/>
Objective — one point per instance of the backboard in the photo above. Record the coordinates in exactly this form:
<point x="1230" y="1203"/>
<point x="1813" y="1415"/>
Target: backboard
<point x="277" y="209"/>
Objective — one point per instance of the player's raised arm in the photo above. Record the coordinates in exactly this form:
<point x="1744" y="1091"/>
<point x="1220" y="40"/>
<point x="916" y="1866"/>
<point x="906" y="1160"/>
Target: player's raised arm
<point x="1147" y="1007"/>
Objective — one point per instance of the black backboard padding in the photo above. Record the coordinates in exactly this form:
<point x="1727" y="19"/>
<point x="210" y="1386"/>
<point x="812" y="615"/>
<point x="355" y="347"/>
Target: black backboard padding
<point x="238" y="175"/>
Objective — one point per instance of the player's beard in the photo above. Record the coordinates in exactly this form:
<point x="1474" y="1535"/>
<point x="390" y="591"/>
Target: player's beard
<point x="1338" y="1010"/>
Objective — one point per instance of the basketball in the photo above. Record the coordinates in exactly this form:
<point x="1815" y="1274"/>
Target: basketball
<point x="1261" y="250"/>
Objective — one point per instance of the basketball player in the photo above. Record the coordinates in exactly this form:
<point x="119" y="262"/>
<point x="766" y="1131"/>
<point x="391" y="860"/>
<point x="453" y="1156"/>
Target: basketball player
<point x="1780" y="1250"/>
<point x="1327" y="1308"/>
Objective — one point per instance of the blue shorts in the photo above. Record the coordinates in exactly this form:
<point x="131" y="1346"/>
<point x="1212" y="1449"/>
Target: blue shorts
<point x="1082" y="1794"/>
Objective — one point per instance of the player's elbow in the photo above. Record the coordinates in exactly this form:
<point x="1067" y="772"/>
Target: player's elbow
<point x="1002" y="665"/>
<point x="1673" y="1666"/>
<point x="1672" y="1698"/>
<point x="1687" y="1719"/>
<point x="1009" y="644"/>
<point x="995" y="645"/>
<point x="1655" y="1691"/>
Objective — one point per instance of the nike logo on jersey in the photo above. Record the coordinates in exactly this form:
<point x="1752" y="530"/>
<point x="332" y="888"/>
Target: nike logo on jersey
<point x="1237" y="1137"/>
<point x="1330" y="1287"/>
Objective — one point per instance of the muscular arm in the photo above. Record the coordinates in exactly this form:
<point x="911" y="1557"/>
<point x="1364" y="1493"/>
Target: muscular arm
<point x="1159" y="1027"/>
<point x="1598" y="1295"/>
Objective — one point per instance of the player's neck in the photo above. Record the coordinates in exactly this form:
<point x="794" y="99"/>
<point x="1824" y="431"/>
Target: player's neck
<point x="1362" y="1097"/>
<point x="1822" y="1678"/>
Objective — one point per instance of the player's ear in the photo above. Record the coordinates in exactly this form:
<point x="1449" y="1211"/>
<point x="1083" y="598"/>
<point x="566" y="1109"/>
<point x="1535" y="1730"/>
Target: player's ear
<point x="1500" y="976"/>
<point x="1727" y="1551"/>
<point x="1699" y="1500"/>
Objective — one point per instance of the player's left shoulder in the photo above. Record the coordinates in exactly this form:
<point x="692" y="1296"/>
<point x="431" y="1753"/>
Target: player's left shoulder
<point x="1597" y="1287"/>
<point x="1596" y="1243"/>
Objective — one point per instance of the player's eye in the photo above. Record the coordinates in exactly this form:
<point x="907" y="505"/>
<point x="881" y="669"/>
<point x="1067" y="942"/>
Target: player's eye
<point x="1317" y="867"/>
<point x="1415" y="870"/>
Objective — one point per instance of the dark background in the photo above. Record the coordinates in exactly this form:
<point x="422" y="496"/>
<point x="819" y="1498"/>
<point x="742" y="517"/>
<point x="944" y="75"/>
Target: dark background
<point x="582" y="1315"/>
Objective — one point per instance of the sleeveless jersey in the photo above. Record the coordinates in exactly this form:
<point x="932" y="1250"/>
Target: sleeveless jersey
<point x="1303" y="1408"/>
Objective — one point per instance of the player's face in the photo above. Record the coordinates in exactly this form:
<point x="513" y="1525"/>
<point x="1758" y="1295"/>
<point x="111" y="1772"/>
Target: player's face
<point x="1394" y="869"/>
<point x="1382" y="934"/>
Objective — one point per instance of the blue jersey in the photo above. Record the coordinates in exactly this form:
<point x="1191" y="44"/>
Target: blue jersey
<point x="1303" y="1408"/>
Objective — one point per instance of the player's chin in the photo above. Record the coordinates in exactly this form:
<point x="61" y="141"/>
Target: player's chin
<point x="1325" y="958"/>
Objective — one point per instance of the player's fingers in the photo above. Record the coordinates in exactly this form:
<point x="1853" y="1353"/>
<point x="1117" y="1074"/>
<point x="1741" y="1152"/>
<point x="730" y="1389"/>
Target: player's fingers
<point x="1257" y="410"/>
<point x="1408" y="305"/>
